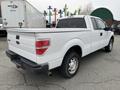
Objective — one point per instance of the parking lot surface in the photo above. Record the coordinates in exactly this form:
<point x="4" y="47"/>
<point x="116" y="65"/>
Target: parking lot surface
<point x="98" y="71"/>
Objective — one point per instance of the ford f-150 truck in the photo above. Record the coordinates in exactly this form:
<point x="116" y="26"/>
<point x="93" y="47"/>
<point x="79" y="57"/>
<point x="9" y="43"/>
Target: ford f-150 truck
<point x="44" y="49"/>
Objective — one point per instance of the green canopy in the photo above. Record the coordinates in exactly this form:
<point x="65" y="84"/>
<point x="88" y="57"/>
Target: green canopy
<point x="103" y="13"/>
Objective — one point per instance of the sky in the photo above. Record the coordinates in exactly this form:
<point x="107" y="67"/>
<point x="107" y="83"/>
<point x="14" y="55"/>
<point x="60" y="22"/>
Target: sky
<point x="113" y="5"/>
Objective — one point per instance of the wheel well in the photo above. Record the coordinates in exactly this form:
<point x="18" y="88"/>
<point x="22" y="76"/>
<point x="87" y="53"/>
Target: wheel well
<point x="76" y="49"/>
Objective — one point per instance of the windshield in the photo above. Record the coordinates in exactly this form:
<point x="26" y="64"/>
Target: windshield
<point x="71" y="23"/>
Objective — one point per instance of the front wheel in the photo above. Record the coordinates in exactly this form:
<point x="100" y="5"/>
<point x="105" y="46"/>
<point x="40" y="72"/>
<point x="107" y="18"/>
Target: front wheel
<point x="110" y="46"/>
<point x="70" y="64"/>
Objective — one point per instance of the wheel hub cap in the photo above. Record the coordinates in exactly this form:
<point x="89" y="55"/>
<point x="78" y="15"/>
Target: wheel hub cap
<point x="73" y="65"/>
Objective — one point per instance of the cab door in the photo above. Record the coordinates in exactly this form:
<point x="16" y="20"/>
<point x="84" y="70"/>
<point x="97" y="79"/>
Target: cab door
<point x="103" y="34"/>
<point x="98" y="34"/>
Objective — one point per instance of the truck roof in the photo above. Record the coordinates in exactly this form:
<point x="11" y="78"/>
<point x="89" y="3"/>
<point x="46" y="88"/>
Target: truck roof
<point x="77" y="16"/>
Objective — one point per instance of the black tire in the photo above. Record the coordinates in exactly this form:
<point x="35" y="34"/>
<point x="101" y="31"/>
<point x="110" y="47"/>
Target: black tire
<point x="67" y="61"/>
<point x="110" y="46"/>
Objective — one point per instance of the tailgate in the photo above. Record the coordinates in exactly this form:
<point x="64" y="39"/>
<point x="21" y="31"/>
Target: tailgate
<point x="22" y="44"/>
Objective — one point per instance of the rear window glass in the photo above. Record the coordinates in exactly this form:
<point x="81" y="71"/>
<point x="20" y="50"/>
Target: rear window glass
<point x="72" y="23"/>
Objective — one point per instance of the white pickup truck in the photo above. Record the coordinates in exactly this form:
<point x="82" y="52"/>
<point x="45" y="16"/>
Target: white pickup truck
<point x="44" y="49"/>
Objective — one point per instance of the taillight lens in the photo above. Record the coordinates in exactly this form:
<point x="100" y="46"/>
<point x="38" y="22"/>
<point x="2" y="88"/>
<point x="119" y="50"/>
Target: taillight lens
<point x="42" y="43"/>
<point x="42" y="46"/>
<point x="40" y="51"/>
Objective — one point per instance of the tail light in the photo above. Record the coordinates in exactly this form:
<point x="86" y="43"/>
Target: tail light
<point x="42" y="46"/>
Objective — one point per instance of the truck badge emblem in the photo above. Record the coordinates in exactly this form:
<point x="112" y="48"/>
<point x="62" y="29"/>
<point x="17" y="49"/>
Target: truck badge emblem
<point x="13" y="6"/>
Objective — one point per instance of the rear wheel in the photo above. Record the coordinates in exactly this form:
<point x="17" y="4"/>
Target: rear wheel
<point x="110" y="46"/>
<point x="70" y="64"/>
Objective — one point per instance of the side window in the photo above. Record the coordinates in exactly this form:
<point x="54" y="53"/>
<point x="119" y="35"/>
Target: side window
<point x="94" y="24"/>
<point x="100" y="24"/>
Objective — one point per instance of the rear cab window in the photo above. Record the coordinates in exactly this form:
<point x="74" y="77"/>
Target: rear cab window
<point x="72" y="23"/>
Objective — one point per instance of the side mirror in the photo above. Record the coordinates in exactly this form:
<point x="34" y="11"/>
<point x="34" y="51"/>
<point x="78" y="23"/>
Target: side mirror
<point x="108" y="29"/>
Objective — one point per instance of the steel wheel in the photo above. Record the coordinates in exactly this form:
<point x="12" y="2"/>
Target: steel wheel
<point x="73" y="65"/>
<point x="70" y="64"/>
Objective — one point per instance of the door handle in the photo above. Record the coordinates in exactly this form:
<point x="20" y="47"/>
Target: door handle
<point x="17" y="42"/>
<point x="101" y="34"/>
